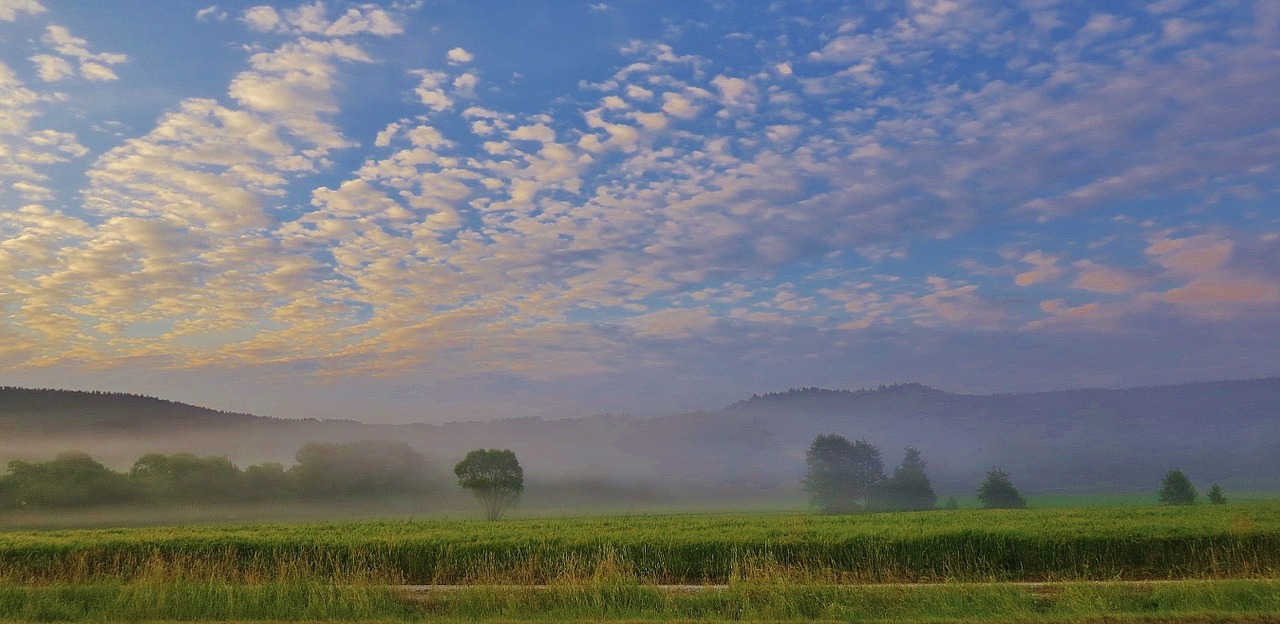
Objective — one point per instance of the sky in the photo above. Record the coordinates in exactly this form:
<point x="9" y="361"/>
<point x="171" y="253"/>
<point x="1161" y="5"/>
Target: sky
<point x="466" y="209"/>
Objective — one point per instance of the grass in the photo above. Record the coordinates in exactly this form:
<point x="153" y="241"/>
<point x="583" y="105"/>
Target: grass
<point x="1086" y="564"/>
<point x="1202" y="542"/>
<point x="790" y="602"/>
<point x="614" y="600"/>
<point x="210" y="601"/>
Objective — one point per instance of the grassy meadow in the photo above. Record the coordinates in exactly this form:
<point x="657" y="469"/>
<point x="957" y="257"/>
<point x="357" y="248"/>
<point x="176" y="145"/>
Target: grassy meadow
<point x="1072" y="564"/>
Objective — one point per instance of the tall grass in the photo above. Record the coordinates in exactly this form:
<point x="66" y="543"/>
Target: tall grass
<point x="1232" y="541"/>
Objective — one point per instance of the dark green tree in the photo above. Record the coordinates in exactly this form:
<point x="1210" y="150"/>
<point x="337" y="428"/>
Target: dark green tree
<point x="1216" y="496"/>
<point x="841" y="475"/>
<point x="951" y="504"/>
<point x="908" y="488"/>
<point x="494" y="476"/>
<point x="1176" y="489"/>
<point x="997" y="492"/>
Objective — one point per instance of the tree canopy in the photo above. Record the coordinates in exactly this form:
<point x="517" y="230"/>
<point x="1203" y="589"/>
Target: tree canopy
<point x="841" y="474"/>
<point x="494" y="476"/>
<point x="368" y="467"/>
<point x="1176" y="489"/>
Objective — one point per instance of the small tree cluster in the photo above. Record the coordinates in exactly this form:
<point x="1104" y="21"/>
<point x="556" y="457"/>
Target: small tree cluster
<point x="1176" y="489"/>
<point x="844" y="476"/>
<point x="74" y="479"/>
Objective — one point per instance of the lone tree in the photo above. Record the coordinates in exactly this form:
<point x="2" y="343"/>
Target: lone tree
<point x="840" y="475"/>
<point x="997" y="492"/>
<point x="1176" y="489"/>
<point x="908" y="489"/>
<point x="494" y="476"/>
<point x="1216" y="496"/>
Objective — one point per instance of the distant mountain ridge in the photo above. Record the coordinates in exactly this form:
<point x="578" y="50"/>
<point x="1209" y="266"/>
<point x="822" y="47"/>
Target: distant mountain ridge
<point x="1059" y="441"/>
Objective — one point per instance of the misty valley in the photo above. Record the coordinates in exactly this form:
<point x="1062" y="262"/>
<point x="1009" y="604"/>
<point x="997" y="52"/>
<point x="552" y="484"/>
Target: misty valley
<point x="896" y="503"/>
<point x="749" y="455"/>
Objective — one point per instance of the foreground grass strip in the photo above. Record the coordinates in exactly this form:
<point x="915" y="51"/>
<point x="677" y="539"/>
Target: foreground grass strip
<point x="1189" y="601"/>
<point x="961" y="602"/>
<point x="1207" y="542"/>
<point x="198" y="602"/>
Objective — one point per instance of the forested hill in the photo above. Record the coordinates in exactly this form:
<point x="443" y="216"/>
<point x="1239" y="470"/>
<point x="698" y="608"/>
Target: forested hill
<point x="61" y="411"/>
<point x="1239" y="400"/>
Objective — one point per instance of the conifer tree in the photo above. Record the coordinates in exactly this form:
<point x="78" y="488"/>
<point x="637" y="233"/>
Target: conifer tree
<point x="908" y="489"/>
<point x="997" y="492"/>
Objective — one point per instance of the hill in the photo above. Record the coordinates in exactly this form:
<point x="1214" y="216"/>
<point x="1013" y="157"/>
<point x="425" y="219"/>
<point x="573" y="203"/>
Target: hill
<point x="1069" y="441"/>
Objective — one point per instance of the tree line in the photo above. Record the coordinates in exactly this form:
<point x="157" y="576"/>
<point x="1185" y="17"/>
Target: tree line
<point x="370" y="468"/>
<point x="844" y="477"/>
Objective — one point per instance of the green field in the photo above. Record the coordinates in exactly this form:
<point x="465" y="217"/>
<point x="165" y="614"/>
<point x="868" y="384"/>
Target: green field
<point x="1075" y="564"/>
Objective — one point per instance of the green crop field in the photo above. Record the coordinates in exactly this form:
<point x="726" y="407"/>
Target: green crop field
<point x="1049" y="564"/>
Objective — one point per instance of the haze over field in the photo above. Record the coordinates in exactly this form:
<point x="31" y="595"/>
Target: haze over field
<point x="431" y="211"/>
<point x="749" y="453"/>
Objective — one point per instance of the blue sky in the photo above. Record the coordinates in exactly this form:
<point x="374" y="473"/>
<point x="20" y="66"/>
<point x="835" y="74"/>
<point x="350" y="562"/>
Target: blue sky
<point x="446" y="210"/>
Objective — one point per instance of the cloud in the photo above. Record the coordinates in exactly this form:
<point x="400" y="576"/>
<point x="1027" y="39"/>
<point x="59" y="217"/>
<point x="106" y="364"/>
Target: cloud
<point x="733" y="91"/>
<point x="430" y="90"/>
<point x="1105" y="279"/>
<point x="1213" y="287"/>
<point x="312" y="19"/>
<point x="957" y="305"/>
<point x="52" y="68"/>
<point x="1045" y="268"/>
<point x="293" y="85"/>
<point x="677" y="105"/>
<point x="262" y="18"/>
<point x="93" y="66"/>
<point x="211" y="12"/>
<point x="458" y="56"/>
<point x="11" y="9"/>
<point x="26" y="151"/>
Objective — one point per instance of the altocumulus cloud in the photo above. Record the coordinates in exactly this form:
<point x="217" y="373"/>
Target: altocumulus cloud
<point x="715" y="197"/>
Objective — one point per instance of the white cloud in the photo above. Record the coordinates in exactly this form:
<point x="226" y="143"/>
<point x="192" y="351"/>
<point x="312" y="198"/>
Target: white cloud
<point x="312" y="19"/>
<point x="364" y="19"/>
<point x="262" y="18"/>
<point x="52" y="68"/>
<point x="677" y="105"/>
<point x="458" y="56"/>
<point x="733" y="91"/>
<point x="430" y="90"/>
<point x="11" y="9"/>
<point x="211" y="12"/>
<point x="93" y="66"/>
<point x="294" y="86"/>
